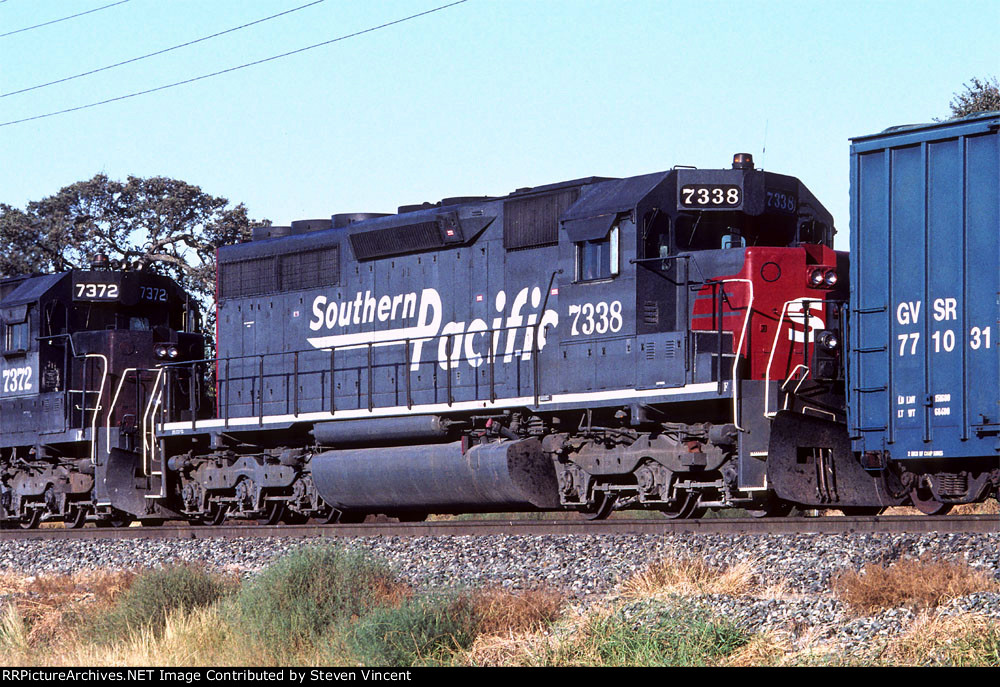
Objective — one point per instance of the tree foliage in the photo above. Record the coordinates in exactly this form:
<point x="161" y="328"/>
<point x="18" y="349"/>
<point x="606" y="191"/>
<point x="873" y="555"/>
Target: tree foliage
<point x="980" y="95"/>
<point x="158" y="224"/>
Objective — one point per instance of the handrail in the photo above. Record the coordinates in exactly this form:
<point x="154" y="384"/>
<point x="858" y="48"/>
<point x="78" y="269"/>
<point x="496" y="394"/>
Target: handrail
<point x="155" y="395"/>
<point x="114" y="401"/>
<point x="739" y="348"/>
<point x="788" y="381"/>
<point x="97" y="406"/>
<point x="806" y="324"/>
<point x="533" y="335"/>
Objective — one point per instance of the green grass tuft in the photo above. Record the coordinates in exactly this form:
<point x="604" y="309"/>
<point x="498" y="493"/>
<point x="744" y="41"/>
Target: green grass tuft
<point x="652" y="633"/>
<point x="295" y="601"/>
<point x="153" y="595"/>
<point x="423" y="631"/>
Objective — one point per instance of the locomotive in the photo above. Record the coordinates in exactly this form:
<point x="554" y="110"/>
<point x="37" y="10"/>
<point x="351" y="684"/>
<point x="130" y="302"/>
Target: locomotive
<point x="675" y="342"/>
<point x="77" y="350"/>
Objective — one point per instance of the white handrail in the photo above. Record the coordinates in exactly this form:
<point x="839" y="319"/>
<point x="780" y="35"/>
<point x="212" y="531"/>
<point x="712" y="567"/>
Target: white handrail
<point x="806" y="324"/>
<point x="114" y="402"/>
<point x="739" y="349"/>
<point x="147" y="417"/>
<point x="97" y="406"/>
<point x="788" y="381"/>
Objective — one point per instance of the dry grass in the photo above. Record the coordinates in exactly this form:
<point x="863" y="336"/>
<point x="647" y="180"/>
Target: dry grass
<point x="959" y="640"/>
<point x="987" y="507"/>
<point x="511" y="650"/>
<point x="762" y="650"/>
<point x="690" y="576"/>
<point x="49" y="606"/>
<point x="498" y="611"/>
<point x="201" y="637"/>
<point x="920" y="583"/>
<point x="990" y="507"/>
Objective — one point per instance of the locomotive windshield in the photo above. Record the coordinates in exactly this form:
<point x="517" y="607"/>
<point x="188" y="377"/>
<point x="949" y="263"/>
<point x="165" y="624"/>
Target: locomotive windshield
<point x="709" y="230"/>
<point x="96" y="316"/>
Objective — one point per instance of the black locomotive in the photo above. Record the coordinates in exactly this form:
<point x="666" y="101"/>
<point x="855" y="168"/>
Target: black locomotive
<point x="669" y="342"/>
<point x="80" y="351"/>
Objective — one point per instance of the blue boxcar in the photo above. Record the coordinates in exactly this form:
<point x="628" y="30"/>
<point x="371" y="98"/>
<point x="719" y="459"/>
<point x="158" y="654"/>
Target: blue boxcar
<point x="925" y="286"/>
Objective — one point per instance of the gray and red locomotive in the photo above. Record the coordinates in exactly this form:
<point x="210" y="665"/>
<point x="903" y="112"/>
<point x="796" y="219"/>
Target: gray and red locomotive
<point x="672" y="342"/>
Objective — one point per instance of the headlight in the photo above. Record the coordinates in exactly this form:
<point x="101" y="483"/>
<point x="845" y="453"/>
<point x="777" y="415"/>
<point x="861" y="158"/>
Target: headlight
<point x="160" y="351"/>
<point x="816" y="278"/>
<point x="172" y="352"/>
<point x="829" y="341"/>
<point x="831" y="278"/>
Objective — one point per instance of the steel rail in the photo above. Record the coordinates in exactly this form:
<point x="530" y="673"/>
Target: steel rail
<point x="885" y="524"/>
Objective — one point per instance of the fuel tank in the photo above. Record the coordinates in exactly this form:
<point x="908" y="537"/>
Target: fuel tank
<point x="512" y="474"/>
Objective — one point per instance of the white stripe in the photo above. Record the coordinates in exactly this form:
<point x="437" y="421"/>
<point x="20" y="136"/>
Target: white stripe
<point x="458" y="406"/>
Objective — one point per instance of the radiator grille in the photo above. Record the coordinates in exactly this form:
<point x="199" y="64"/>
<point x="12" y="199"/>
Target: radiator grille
<point x="290" y="272"/>
<point x="310" y="269"/>
<point x="253" y="277"/>
<point x="396" y="240"/>
<point x="534" y="222"/>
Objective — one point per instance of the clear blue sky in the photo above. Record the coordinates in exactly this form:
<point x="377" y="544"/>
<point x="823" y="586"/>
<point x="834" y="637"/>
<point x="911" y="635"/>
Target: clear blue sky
<point x="480" y="98"/>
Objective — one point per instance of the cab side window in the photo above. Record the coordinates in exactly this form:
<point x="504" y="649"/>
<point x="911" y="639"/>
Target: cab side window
<point x="16" y="338"/>
<point x="596" y="260"/>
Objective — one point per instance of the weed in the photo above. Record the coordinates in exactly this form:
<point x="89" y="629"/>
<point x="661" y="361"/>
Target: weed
<point x="959" y="640"/>
<point x="423" y="630"/>
<point x="499" y="611"/>
<point x="682" y="575"/>
<point x="155" y="593"/>
<point x="298" y="598"/>
<point x="676" y="633"/>
<point x="919" y="583"/>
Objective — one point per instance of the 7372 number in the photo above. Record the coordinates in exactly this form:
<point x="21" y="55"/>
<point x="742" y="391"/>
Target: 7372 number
<point x="97" y="292"/>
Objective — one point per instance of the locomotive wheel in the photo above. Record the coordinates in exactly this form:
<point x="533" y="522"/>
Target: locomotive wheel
<point x="928" y="506"/>
<point x="118" y="519"/>
<point x="773" y="508"/>
<point x="688" y="508"/>
<point x="32" y="521"/>
<point x="330" y="516"/>
<point x="274" y="511"/>
<point x="216" y="515"/>
<point x="76" y="517"/>
<point x="293" y="518"/>
<point x="605" y="506"/>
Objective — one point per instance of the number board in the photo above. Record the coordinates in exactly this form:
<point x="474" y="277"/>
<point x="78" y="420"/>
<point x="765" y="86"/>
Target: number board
<point x="710" y="196"/>
<point x="95" y="291"/>
<point x="781" y="201"/>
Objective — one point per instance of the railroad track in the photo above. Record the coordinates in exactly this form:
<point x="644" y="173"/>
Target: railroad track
<point x="826" y="525"/>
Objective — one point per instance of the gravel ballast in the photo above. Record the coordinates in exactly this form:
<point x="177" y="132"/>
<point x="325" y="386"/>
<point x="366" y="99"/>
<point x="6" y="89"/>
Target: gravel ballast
<point x="588" y="568"/>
